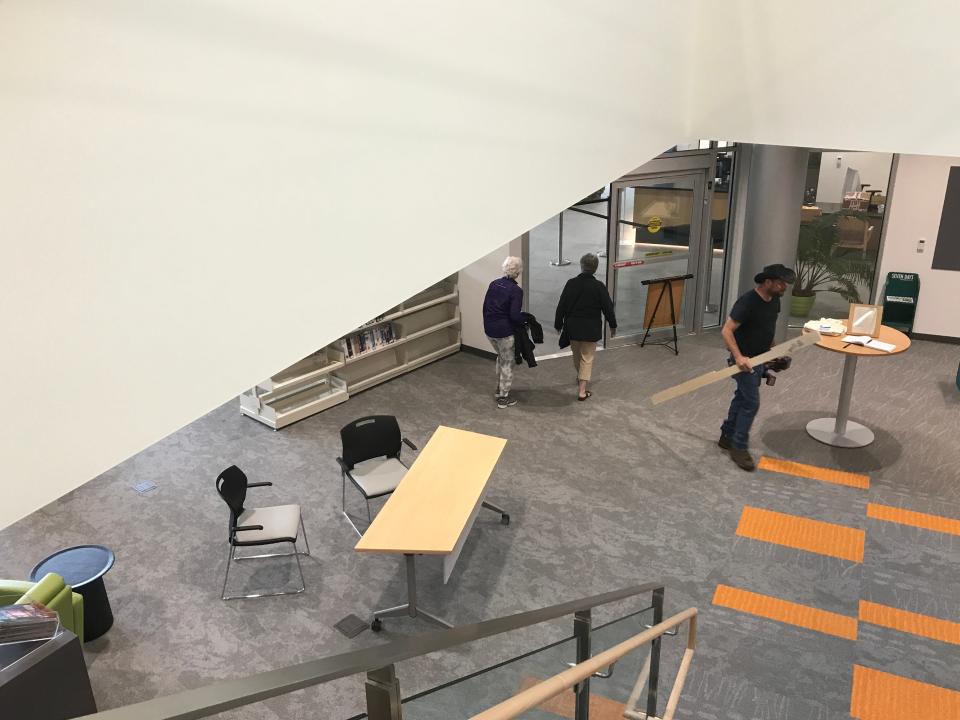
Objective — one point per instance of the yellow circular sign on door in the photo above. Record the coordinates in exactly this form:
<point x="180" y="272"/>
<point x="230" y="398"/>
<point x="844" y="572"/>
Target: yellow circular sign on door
<point x="654" y="224"/>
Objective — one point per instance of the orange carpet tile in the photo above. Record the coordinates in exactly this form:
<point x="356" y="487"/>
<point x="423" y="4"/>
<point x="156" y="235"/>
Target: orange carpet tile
<point x="910" y="622"/>
<point x="914" y="519"/>
<point x="564" y="704"/>
<point x="878" y="695"/>
<point x="812" y="472"/>
<point x="787" y="612"/>
<point x="802" y="533"/>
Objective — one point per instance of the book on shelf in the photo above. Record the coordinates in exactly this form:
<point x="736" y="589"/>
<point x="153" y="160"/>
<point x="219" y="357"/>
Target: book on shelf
<point x="367" y="340"/>
<point x="378" y="318"/>
<point x="23" y="623"/>
<point x="867" y="341"/>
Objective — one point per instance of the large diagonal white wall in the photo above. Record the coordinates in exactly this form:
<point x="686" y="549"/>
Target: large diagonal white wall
<point x="194" y="194"/>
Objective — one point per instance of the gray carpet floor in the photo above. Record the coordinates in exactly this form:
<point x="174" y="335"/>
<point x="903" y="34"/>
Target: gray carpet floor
<point x="602" y="494"/>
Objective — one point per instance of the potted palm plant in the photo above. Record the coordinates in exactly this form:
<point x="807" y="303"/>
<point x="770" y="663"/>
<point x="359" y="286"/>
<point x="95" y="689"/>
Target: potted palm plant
<point x="821" y="267"/>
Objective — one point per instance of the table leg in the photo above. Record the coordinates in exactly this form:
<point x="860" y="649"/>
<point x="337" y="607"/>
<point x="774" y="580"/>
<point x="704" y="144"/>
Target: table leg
<point x="504" y="516"/>
<point x="409" y="608"/>
<point x="841" y="431"/>
<point x="97" y="614"/>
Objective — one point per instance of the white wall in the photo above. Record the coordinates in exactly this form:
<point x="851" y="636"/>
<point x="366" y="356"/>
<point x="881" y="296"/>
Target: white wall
<point x="914" y="212"/>
<point x="779" y="78"/>
<point x="185" y="186"/>
<point x="473" y="283"/>
<point x="874" y="169"/>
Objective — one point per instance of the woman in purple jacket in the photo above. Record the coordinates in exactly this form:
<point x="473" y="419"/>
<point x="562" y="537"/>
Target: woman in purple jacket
<point x="501" y="318"/>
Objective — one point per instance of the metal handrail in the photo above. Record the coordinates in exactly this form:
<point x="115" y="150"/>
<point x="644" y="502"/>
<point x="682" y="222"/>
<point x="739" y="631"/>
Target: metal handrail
<point x="228" y="694"/>
<point x="538" y="694"/>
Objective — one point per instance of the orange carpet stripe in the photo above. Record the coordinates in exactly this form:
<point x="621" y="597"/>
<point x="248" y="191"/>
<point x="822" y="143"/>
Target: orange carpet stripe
<point x="878" y="695"/>
<point x="787" y="612"/>
<point x="812" y="472"/>
<point x="802" y="533"/>
<point x="914" y="519"/>
<point x="564" y="704"/>
<point x="910" y="622"/>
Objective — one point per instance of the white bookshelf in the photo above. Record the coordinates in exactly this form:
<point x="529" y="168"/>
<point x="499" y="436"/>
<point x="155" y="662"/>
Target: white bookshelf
<point x="284" y="408"/>
<point x="414" y="333"/>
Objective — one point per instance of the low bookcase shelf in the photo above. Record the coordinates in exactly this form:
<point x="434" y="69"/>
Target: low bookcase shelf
<point x="281" y="409"/>
<point x="418" y="331"/>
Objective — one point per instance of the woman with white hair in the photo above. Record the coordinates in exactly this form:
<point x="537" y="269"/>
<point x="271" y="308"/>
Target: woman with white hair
<point x="583" y="300"/>
<point x="501" y="318"/>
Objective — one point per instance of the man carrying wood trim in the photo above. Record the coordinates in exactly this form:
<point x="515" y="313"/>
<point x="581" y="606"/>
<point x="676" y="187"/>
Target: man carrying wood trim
<point x="749" y="332"/>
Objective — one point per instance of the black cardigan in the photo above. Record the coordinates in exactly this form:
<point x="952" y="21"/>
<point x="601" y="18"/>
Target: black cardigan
<point x="581" y="302"/>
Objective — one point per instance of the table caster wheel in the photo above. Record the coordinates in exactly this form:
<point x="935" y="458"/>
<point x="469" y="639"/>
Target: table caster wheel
<point x="505" y="519"/>
<point x="376" y="625"/>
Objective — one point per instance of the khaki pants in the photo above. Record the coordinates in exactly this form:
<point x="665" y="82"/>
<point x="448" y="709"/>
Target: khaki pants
<point x="583" y="353"/>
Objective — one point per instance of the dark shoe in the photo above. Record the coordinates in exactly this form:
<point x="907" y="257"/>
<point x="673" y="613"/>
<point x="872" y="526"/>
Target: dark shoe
<point x="743" y="459"/>
<point x="505" y="401"/>
<point x="725" y="442"/>
<point x="588" y="395"/>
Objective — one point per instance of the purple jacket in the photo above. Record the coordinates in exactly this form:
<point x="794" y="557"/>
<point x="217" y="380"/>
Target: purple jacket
<point x="501" y="308"/>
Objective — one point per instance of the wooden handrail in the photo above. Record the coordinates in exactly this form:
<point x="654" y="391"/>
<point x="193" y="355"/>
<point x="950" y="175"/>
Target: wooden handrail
<point x="537" y="695"/>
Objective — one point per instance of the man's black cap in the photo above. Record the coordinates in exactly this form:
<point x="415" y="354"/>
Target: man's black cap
<point x="775" y="272"/>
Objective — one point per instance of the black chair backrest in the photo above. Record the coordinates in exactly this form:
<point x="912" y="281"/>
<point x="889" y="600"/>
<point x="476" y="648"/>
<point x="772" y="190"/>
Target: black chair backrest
<point x="370" y="437"/>
<point x="232" y="486"/>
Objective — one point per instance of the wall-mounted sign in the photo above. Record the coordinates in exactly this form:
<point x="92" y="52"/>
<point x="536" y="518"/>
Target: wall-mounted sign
<point x="654" y="224"/>
<point x="628" y="263"/>
<point x="946" y="255"/>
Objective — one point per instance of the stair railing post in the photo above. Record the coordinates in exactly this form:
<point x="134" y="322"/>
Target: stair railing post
<point x="383" y="694"/>
<point x="581" y="631"/>
<point x="655" y="655"/>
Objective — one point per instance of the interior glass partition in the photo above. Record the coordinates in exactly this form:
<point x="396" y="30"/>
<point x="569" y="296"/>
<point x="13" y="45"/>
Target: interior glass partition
<point x="656" y="220"/>
<point x="668" y="217"/>
<point x="841" y="221"/>
<point x="720" y="204"/>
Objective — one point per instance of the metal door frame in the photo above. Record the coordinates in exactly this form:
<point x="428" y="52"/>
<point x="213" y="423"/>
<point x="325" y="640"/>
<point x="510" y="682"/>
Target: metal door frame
<point x="698" y="166"/>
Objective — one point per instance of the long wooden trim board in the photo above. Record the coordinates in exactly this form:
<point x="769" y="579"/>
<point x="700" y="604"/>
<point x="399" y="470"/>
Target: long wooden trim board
<point x="784" y="348"/>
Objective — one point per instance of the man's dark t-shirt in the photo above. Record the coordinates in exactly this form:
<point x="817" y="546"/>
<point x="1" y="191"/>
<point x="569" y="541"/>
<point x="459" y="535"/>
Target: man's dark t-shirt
<point x="758" y="322"/>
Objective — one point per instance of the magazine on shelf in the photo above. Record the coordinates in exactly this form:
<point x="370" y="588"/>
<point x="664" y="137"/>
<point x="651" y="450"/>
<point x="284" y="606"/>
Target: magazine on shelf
<point x="22" y="623"/>
<point x="367" y="340"/>
<point x="867" y="341"/>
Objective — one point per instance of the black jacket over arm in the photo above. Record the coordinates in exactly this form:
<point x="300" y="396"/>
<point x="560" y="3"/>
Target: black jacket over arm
<point x="525" y="337"/>
<point x="581" y="302"/>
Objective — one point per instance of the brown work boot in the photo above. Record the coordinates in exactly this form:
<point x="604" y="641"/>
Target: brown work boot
<point x="743" y="459"/>
<point x="725" y="442"/>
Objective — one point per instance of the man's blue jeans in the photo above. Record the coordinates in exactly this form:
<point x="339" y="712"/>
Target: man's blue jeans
<point x="743" y="408"/>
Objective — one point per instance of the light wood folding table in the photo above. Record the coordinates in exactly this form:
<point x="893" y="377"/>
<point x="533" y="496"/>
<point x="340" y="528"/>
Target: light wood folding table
<point x="433" y="508"/>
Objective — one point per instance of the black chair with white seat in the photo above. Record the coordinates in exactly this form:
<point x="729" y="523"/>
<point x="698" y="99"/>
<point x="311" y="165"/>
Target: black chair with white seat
<point x="371" y="459"/>
<point x="251" y="527"/>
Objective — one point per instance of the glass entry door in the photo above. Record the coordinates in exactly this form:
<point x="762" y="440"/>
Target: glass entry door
<point x="655" y="232"/>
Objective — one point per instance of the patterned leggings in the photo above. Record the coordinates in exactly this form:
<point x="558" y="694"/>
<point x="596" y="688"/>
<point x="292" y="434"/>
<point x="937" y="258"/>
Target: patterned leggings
<point x="505" y="360"/>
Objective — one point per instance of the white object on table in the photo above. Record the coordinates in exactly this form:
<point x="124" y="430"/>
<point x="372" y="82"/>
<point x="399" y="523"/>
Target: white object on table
<point x="867" y="341"/>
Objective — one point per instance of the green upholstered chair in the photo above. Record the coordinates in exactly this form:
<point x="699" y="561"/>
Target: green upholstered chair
<point x="52" y="592"/>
